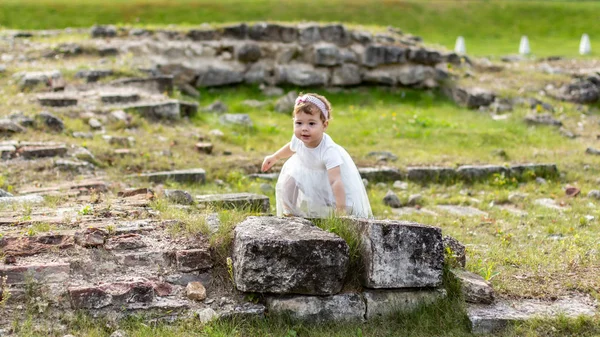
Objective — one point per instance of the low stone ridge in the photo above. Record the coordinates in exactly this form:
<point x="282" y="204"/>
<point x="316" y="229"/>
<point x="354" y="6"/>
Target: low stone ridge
<point x="467" y="173"/>
<point x="487" y="319"/>
<point x="189" y="176"/>
<point x="400" y="254"/>
<point x="249" y="201"/>
<point x="319" y="309"/>
<point x="168" y="110"/>
<point x="287" y="256"/>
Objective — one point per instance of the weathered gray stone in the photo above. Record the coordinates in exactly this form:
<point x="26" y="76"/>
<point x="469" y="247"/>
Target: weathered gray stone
<point x="51" y="121"/>
<point x="44" y="273"/>
<point x="236" y="119"/>
<point x="188" y="109"/>
<point x="346" y="74"/>
<point x="30" y="152"/>
<point x="119" y="98"/>
<point x="259" y="72"/>
<point x="91" y="237"/>
<point x="216" y="106"/>
<point x="103" y="31"/>
<point x="424" y="56"/>
<point x="593" y="151"/>
<point x="455" y="249"/>
<point x="286" y="103"/>
<point x="400" y="254"/>
<point x="4" y="194"/>
<point x="59" y="100"/>
<point x="158" y="84"/>
<point x="248" y="52"/>
<point x="22" y="199"/>
<point x="255" y="202"/>
<point x="157" y="111"/>
<point x="301" y="75"/>
<point x="488" y="319"/>
<point x="430" y="174"/>
<point x="219" y="74"/>
<point x="117" y="293"/>
<point x="473" y="98"/>
<point x="31" y="79"/>
<point x="179" y="197"/>
<point x="288" y="256"/>
<point x="73" y="166"/>
<point x="273" y="32"/>
<point x="362" y="37"/>
<point x="197" y="175"/>
<point x="335" y="34"/>
<point x="392" y="200"/>
<point x="384" y="303"/>
<point x="8" y="126"/>
<point x="380" y="173"/>
<point x="472" y="173"/>
<point x="308" y="34"/>
<point x="326" y="54"/>
<point x="534" y="170"/>
<point x="319" y="309"/>
<point x="21" y="119"/>
<point x="595" y="194"/>
<point x="417" y="75"/>
<point x="473" y="287"/>
<point x="203" y="34"/>
<point x="542" y="119"/>
<point x="238" y="32"/>
<point x="380" y="76"/>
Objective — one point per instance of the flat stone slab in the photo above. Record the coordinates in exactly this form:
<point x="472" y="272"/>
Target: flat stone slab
<point x="119" y="98"/>
<point x="159" y="84"/>
<point x="57" y="100"/>
<point x="471" y="173"/>
<point x="157" y="111"/>
<point x="30" y="152"/>
<point x="383" y="303"/>
<point x="43" y="273"/>
<point x="22" y="199"/>
<point x="250" y="201"/>
<point x="380" y="173"/>
<point x="461" y="210"/>
<point x="400" y="254"/>
<point x="288" y="256"/>
<point x="430" y="174"/>
<point x="197" y="175"/>
<point x="486" y="319"/>
<point x="319" y="309"/>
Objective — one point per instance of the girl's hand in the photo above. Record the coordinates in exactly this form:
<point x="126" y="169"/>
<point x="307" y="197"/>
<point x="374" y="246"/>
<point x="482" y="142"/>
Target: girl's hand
<point x="268" y="163"/>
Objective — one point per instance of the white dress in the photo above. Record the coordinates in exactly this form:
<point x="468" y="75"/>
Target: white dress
<point x="303" y="187"/>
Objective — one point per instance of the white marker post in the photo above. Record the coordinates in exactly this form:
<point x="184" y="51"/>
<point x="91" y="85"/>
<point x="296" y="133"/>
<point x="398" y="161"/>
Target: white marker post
<point x="460" y="47"/>
<point x="585" y="46"/>
<point x="524" y="46"/>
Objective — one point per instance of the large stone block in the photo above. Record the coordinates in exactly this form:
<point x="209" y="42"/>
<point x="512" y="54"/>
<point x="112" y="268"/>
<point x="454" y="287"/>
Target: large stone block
<point x="431" y="174"/>
<point x="158" y="111"/>
<point x="347" y="74"/>
<point x="471" y="173"/>
<point x="319" y="309"/>
<point x="400" y="254"/>
<point x="44" y="273"/>
<point x="219" y="74"/>
<point x="288" y="256"/>
<point x="382" y="303"/>
<point x="301" y="74"/>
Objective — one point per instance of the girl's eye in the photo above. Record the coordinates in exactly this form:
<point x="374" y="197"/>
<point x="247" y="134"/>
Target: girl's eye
<point x="312" y="123"/>
<point x="298" y="123"/>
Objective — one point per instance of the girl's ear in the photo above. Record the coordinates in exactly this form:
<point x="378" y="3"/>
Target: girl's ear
<point x="325" y="124"/>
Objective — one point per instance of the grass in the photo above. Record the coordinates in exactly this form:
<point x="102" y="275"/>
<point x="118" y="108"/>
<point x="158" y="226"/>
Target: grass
<point x="491" y="28"/>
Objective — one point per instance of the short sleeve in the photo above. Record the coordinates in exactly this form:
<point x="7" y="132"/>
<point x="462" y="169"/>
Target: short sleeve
<point x="332" y="157"/>
<point x="295" y="143"/>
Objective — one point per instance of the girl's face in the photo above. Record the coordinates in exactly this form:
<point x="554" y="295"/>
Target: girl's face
<point x="309" y="129"/>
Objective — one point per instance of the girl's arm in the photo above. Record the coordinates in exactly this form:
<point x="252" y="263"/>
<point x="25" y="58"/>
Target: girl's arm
<point x="337" y="185"/>
<point x="284" y="152"/>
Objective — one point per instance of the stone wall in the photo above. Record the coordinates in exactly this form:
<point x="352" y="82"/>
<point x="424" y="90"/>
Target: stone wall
<point x="273" y="54"/>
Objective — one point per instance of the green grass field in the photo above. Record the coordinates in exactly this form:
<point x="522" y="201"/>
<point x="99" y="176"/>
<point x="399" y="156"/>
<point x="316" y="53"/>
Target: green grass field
<point x="491" y="28"/>
<point x="543" y="254"/>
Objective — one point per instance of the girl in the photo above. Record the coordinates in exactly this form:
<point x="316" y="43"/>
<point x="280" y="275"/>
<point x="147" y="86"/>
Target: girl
<point x="320" y="178"/>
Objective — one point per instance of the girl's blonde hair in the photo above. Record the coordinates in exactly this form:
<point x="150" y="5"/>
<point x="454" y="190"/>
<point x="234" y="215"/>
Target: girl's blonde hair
<point x="311" y="109"/>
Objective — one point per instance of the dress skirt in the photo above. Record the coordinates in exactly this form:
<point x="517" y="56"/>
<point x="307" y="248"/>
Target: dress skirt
<point x="303" y="189"/>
